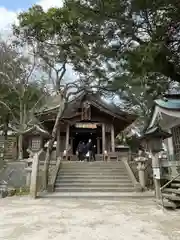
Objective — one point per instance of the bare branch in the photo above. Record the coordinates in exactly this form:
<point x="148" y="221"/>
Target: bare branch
<point x="10" y="110"/>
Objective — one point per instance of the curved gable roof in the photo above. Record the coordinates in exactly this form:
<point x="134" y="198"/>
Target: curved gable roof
<point x="95" y="100"/>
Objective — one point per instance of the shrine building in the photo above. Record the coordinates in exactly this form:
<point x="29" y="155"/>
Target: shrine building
<point x="86" y="117"/>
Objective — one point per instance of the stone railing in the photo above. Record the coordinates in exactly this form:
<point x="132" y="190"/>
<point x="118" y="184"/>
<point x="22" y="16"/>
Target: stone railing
<point x="134" y="180"/>
<point x="54" y="174"/>
<point x="146" y="167"/>
<point x="34" y="174"/>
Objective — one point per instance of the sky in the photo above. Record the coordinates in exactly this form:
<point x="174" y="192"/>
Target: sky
<point x="8" y="15"/>
<point x="10" y="8"/>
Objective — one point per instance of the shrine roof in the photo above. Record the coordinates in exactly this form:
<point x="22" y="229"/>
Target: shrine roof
<point x="38" y="129"/>
<point x="169" y="102"/>
<point x="156" y="132"/>
<point x="95" y="100"/>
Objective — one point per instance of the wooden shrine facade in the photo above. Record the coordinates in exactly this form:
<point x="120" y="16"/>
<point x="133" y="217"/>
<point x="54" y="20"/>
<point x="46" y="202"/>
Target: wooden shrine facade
<point x="86" y="117"/>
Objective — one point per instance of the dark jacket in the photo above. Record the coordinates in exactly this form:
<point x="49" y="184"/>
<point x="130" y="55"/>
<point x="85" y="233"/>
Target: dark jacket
<point x="93" y="149"/>
<point x="89" y="146"/>
<point x="80" y="147"/>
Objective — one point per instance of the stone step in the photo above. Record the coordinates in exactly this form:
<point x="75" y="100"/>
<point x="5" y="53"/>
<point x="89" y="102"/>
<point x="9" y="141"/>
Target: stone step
<point x="87" y="176"/>
<point x="94" y="189"/>
<point x="171" y="190"/>
<point x="175" y="185"/>
<point x="92" y="167"/>
<point x="100" y="181"/>
<point x="84" y="185"/>
<point x="166" y="203"/>
<point x="100" y="195"/>
<point x="115" y="173"/>
<point x="92" y="176"/>
<point x="93" y="173"/>
<point x="92" y="164"/>
<point x="172" y="197"/>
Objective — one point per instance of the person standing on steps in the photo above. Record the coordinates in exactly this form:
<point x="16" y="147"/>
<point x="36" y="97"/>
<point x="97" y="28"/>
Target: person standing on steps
<point x="80" y="150"/>
<point x="89" y="150"/>
<point x="94" y="152"/>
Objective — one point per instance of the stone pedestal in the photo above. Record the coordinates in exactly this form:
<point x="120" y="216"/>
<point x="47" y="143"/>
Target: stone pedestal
<point x="156" y="175"/>
<point x="28" y="176"/>
<point x="141" y="165"/>
<point x="29" y="167"/>
<point x="34" y="174"/>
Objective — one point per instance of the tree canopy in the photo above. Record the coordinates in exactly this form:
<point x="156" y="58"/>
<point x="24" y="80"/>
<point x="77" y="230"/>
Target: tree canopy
<point x="135" y="44"/>
<point x="15" y="87"/>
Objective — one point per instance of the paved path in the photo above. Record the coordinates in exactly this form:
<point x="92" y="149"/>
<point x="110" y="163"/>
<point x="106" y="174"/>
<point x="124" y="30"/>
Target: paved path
<point x="42" y="219"/>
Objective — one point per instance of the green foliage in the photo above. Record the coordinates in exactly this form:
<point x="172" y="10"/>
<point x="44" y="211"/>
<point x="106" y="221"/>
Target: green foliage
<point x="15" y="86"/>
<point x="133" y="43"/>
<point x="22" y="191"/>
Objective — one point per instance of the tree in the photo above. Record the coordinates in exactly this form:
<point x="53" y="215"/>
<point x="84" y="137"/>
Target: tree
<point x="19" y="94"/>
<point x="137" y="43"/>
<point x="57" y="40"/>
<point x="142" y="36"/>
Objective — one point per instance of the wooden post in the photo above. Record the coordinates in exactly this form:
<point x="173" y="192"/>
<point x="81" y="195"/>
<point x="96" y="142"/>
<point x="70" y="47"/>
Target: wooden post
<point x="98" y="145"/>
<point x="112" y="139"/>
<point x="72" y="145"/>
<point x="58" y="139"/>
<point x="103" y="138"/>
<point x="67" y="141"/>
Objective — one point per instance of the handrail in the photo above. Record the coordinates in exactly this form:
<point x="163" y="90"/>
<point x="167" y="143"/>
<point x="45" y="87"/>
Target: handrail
<point x="165" y="185"/>
<point x="170" y="181"/>
<point x="54" y="175"/>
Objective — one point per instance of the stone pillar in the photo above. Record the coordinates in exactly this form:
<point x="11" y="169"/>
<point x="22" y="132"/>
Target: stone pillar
<point x="67" y="137"/>
<point x="112" y="139"/>
<point x="67" y="141"/>
<point x="103" y="138"/>
<point x="58" y="139"/>
<point x="28" y="176"/>
<point x="71" y="145"/>
<point x="156" y="175"/>
<point x="98" y="145"/>
<point x="34" y="176"/>
<point x="141" y="173"/>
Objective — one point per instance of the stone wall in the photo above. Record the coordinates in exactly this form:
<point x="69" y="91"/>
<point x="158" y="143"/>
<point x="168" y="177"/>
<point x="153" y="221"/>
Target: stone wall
<point x="10" y="148"/>
<point x="14" y="174"/>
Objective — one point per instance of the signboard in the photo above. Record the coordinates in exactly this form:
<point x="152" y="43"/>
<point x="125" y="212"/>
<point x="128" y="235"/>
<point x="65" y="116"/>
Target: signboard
<point x="86" y="125"/>
<point x="156" y="173"/>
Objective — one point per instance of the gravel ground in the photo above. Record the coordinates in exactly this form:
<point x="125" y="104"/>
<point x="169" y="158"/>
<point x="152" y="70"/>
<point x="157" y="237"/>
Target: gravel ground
<point x="42" y="219"/>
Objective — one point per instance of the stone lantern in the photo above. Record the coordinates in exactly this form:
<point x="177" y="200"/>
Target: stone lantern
<point x="141" y="165"/>
<point x="153" y="138"/>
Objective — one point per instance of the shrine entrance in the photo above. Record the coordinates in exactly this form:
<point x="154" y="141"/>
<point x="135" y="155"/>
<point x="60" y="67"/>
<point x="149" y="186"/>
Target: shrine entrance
<point x="85" y="131"/>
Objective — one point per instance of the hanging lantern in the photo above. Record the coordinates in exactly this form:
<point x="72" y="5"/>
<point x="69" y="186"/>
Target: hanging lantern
<point x="154" y="137"/>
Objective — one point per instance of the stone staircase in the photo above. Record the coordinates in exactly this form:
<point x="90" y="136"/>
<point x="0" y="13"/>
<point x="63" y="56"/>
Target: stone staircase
<point x="171" y="195"/>
<point x="93" y="179"/>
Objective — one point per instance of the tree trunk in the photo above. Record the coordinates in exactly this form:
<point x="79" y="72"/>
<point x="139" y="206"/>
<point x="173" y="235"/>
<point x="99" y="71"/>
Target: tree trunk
<point x="20" y="138"/>
<point x="51" y="142"/>
<point x="5" y="139"/>
<point x="20" y="147"/>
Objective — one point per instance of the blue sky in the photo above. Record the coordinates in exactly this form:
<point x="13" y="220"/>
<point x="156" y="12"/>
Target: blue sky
<point x="14" y="5"/>
<point x="10" y="8"/>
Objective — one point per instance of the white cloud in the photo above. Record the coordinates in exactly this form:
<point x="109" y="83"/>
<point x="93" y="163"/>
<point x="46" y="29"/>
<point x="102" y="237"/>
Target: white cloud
<point x="46" y="4"/>
<point x="8" y="17"/>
